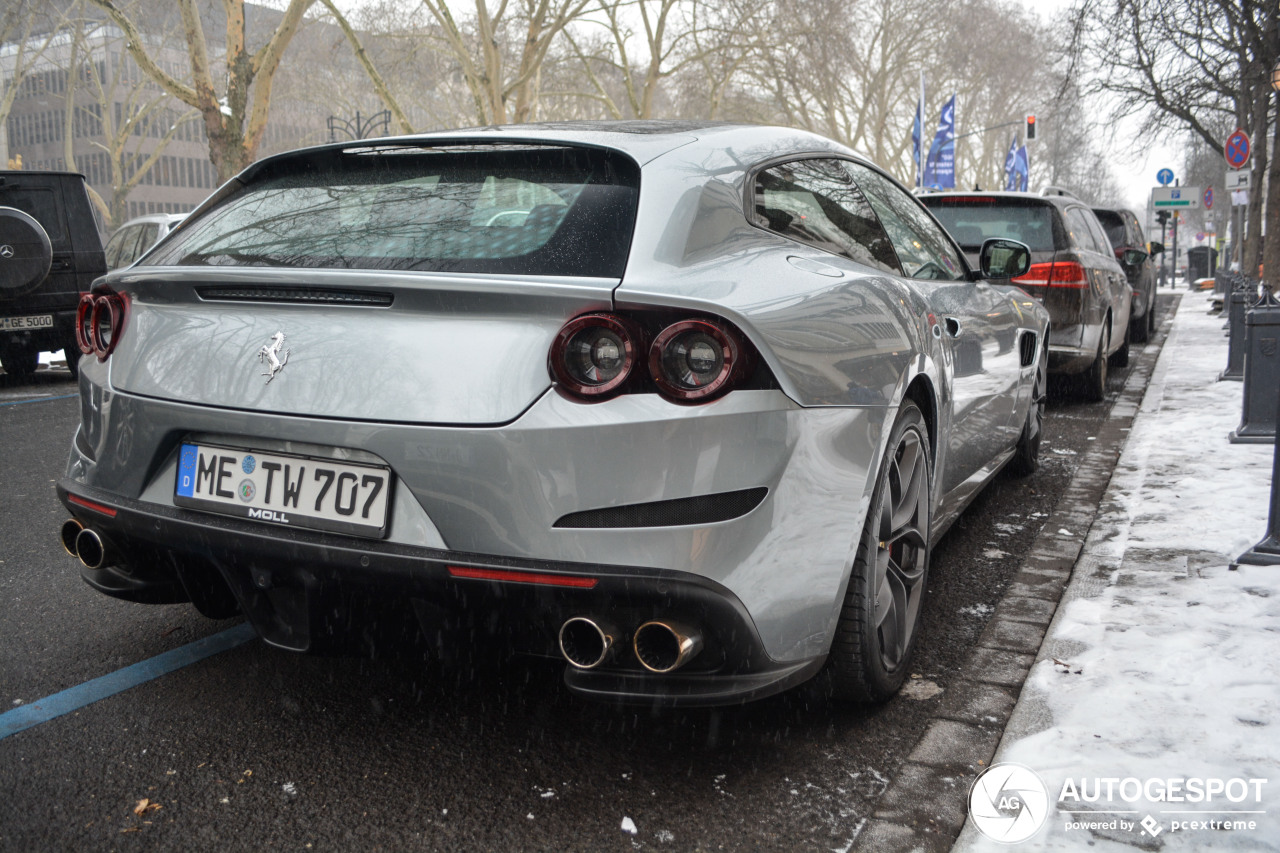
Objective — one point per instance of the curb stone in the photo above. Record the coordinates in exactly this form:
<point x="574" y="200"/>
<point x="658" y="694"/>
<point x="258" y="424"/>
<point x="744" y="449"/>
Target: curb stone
<point x="923" y="808"/>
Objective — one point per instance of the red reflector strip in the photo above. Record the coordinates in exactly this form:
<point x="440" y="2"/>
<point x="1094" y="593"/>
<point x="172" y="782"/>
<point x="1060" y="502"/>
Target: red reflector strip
<point x="96" y="507"/>
<point x="967" y="199"/>
<point x="521" y="577"/>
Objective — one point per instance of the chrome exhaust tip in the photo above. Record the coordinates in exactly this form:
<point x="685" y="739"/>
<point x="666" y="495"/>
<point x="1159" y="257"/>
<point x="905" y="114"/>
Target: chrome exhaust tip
<point x="91" y="549"/>
<point x="70" y="530"/>
<point x="665" y="646"/>
<point x="586" y="643"/>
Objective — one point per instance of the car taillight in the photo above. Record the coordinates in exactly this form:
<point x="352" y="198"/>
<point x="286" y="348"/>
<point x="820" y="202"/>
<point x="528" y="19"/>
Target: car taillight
<point x="695" y="360"/>
<point x="1056" y="274"/>
<point x="593" y="355"/>
<point x="99" y="321"/>
<point x="1068" y="274"/>
<point x="1038" y="274"/>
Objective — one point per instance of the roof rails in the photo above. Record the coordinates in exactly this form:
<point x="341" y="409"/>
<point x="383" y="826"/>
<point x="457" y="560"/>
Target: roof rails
<point x="1059" y="191"/>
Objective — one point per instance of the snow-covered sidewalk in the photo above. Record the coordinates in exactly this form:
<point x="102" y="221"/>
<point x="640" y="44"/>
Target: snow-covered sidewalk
<point x="1153" y="709"/>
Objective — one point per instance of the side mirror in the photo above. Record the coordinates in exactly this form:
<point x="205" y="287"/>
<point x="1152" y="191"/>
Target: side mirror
<point x="1004" y="258"/>
<point x="1133" y="257"/>
<point x="25" y="253"/>
<point x="1156" y="248"/>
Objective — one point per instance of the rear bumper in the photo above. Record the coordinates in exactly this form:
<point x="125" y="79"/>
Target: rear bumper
<point x="298" y="589"/>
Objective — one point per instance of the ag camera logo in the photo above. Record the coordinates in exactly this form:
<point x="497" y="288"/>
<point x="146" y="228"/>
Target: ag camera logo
<point x="1008" y="803"/>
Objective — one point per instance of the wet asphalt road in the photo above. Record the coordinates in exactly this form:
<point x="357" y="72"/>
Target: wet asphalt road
<point x="260" y="749"/>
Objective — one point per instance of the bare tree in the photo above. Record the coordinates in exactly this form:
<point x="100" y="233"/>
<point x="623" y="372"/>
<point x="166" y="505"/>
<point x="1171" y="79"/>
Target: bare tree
<point x="668" y="43"/>
<point x="133" y="135"/>
<point x="366" y="62"/>
<point x="236" y="118"/>
<point x="31" y="28"/>
<point x="502" y="77"/>
<point x="1198" y="65"/>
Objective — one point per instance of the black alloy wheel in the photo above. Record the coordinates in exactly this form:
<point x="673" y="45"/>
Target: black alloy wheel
<point x="878" y="626"/>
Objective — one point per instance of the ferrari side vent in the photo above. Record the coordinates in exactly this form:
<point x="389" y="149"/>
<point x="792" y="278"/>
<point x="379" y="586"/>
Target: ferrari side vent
<point x="305" y="295"/>
<point x="681" y="512"/>
<point x="1027" y="348"/>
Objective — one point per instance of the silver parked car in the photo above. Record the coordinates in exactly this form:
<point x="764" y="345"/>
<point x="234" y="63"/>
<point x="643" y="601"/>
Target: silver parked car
<point x="136" y="236"/>
<point x="685" y="404"/>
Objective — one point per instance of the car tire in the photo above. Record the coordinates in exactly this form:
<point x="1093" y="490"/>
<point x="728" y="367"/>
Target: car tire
<point x="1151" y="318"/>
<point x="878" y="626"/>
<point x="1026" y="455"/>
<point x="19" y="362"/>
<point x="1095" y="378"/>
<point x="1140" y="332"/>
<point x="1120" y="358"/>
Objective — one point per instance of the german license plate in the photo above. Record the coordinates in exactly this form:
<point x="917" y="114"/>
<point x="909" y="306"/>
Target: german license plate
<point x="18" y="324"/>
<point x="299" y="491"/>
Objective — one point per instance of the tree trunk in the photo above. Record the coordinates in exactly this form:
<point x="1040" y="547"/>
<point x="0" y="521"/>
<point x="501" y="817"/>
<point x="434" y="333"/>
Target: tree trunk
<point x="1253" y="214"/>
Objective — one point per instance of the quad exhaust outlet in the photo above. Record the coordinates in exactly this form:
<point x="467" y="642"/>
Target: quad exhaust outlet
<point x="586" y="643"/>
<point x="86" y="544"/>
<point x="665" y="646"/>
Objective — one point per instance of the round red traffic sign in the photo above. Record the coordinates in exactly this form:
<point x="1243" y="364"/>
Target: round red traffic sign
<point x="1208" y="198"/>
<point x="1237" y="149"/>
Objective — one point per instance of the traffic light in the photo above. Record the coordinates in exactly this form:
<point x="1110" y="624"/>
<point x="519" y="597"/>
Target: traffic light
<point x="1162" y="216"/>
<point x="1031" y="127"/>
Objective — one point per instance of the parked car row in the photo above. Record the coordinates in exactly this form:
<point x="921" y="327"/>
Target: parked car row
<point x="1091" y="268"/>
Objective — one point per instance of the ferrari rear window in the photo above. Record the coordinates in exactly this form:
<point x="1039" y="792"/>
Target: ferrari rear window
<point x="528" y="211"/>
<point x="972" y="220"/>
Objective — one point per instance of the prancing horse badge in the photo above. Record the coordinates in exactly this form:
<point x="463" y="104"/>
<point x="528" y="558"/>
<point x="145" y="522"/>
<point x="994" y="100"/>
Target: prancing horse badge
<point x="271" y="356"/>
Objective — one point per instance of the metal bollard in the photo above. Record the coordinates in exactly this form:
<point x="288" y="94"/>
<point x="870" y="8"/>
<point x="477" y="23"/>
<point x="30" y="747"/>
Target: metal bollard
<point x="1239" y="298"/>
<point x="1261" y="373"/>
<point x="1267" y="552"/>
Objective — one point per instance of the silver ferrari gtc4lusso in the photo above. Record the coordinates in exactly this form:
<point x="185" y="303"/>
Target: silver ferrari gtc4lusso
<point x="687" y="404"/>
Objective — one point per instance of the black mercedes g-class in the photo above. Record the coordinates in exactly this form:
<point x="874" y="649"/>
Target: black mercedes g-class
<point x="50" y="253"/>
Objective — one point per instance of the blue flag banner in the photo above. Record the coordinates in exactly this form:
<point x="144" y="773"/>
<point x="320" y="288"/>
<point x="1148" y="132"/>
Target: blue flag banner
<point x="1022" y="168"/>
<point x="940" y="168"/>
<point x="1010" y="161"/>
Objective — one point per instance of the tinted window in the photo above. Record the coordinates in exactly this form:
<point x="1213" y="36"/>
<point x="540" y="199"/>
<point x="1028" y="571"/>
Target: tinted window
<point x="41" y="204"/>
<point x="1113" y="224"/>
<point x="116" y="245"/>
<point x="1079" y="231"/>
<point x="543" y="211"/>
<point x="923" y="247"/>
<point x="1140" y="237"/>
<point x="971" y="220"/>
<point x="816" y="202"/>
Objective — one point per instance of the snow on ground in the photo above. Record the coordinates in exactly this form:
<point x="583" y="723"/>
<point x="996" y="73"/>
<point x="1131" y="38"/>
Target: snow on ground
<point x="1161" y="672"/>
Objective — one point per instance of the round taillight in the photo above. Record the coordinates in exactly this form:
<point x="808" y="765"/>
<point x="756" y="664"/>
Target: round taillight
<point x="105" y="323"/>
<point x="593" y="355"/>
<point x="84" y="324"/>
<point x="695" y="360"/>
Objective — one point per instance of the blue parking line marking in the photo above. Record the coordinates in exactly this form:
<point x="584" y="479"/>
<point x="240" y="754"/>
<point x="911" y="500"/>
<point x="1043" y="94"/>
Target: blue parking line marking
<point x="75" y="698"/>
<point x="39" y="400"/>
